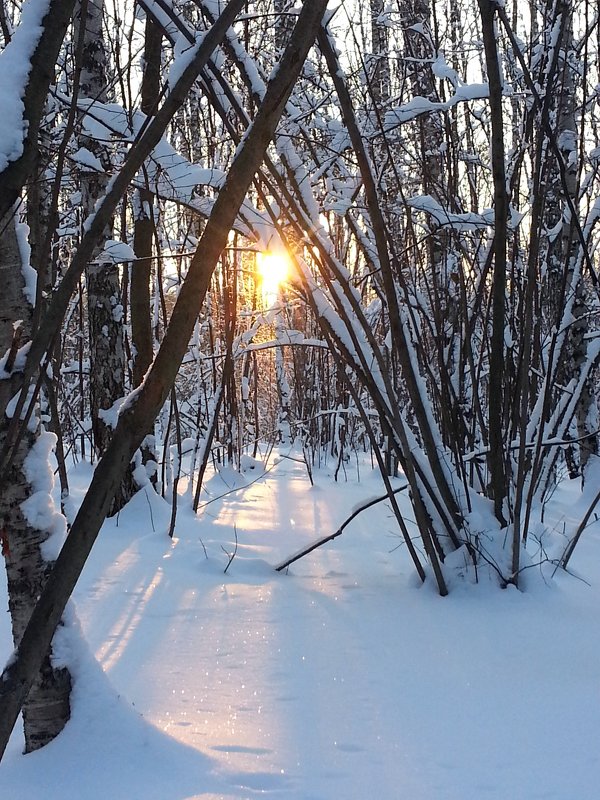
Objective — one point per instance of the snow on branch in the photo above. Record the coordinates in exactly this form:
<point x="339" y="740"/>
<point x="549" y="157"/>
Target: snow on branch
<point x="15" y="66"/>
<point x="422" y="105"/>
<point x="463" y="222"/>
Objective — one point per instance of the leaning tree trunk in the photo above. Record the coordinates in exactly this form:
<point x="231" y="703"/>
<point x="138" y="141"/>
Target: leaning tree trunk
<point x="42" y="51"/>
<point x="17" y="676"/>
<point x="23" y="530"/>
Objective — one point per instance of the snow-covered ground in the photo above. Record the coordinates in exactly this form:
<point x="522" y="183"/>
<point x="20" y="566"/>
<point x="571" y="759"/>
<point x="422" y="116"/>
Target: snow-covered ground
<point x="344" y="678"/>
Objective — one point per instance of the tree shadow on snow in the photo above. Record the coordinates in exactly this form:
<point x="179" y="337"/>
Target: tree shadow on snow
<point x="108" y="750"/>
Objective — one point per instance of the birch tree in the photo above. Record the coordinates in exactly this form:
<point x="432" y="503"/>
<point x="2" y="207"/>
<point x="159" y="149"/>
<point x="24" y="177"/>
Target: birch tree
<point x="565" y="275"/>
<point x="28" y="518"/>
<point x="17" y="405"/>
<point x="107" y="374"/>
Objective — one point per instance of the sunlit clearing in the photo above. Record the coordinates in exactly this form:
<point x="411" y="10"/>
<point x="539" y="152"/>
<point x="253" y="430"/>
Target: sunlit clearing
<point x="274" y="269"/>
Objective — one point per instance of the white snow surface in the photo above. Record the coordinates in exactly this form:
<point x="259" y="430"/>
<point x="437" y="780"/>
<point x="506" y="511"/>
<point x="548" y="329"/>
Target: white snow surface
<point x="343" y="679"/>
<point x="184" y="55"/>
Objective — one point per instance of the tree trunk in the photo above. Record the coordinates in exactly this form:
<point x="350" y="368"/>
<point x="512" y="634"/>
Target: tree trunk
<point x="141" y="322"/>
<point x="143" y="235"/>
<point x="105" y="311"/>
<point x="498" y="485"/>
<point x="380" y="44"/>
<point x="565" y="250"/>
<point x="47" y="708"/>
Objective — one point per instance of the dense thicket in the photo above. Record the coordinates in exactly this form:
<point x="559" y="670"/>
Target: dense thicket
<point x="431" y="186"/>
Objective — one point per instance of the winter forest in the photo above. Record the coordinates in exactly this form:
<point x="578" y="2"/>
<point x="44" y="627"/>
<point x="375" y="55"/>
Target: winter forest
<point x="300" y="305"/>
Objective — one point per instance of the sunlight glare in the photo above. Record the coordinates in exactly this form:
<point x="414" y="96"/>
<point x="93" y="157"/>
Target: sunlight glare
<point x="274" y="269"/>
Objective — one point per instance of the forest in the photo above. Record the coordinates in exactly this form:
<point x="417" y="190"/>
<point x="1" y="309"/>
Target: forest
<point x="328" y="264"/>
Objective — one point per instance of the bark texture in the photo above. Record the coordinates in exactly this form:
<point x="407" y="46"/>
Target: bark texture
<point x="105" y="310"/>
<point x="141" y="323"/>
<point x="380" y="40"/>
<point x="47" y="708"/>
<point x="497" y="467"/>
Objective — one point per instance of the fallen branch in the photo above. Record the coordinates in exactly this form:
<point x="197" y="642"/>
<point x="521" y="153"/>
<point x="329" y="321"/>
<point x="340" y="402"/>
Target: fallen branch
<point x="306" y="550"/>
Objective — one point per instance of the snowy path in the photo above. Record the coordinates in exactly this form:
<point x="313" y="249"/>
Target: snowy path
<point x="248" y="676"/>
<point x="341" y="680"/>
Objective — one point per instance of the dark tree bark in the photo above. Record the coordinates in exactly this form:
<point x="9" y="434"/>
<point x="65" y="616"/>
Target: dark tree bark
<point x="380" y="45"/>
<point x="50" y="325"/>
<point x="396" y="324"/>
<point x="497" y="352"/>
<point x="141" y="323"/>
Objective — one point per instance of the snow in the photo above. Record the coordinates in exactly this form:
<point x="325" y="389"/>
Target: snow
<point x="175" y="177"/>
<point x="87" y="159"/>
<point x="115" y="252"/>
<point x="40" y="509"/>
<point x="27" y="271"/>
<point x="422" y="105"/>
<point x="344" y="678"/>
<point x="441" y="69"/>
<point x="184" y="55"/>
<point x="168" y="172"/>
<point x="20" y="358"/>
<point x="162" y="17"/>
<point x="15" y="65"/>
<point x="463" y="222"/>
<point x="110" y="416"/>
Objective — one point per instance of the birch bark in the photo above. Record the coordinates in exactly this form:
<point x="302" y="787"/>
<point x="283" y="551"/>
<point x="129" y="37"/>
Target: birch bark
<point x="104" y="301"/>
<point x="22" y="533"/>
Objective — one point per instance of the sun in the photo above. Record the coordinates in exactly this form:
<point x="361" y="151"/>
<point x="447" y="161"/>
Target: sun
<point x="274" y="269"/>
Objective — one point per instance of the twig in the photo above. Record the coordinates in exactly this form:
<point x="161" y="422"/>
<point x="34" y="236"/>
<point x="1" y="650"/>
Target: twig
<point x="231" y="555"/>
<point x="237" y="488"/>
<point x="291" y="458"/>
<point x="150" y="509"/>
<point x="306" y="550"/>
<point x="203" y="547"/>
